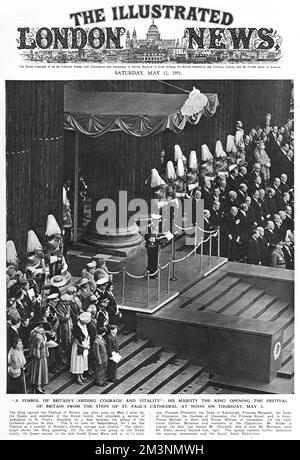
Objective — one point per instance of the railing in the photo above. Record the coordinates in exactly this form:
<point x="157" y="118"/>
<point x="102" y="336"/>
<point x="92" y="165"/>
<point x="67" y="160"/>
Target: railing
<point x="170" y="265"/>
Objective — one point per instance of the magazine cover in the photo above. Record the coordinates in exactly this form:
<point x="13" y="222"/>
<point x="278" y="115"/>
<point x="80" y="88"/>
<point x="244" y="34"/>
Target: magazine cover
<point x="148" y="208"/>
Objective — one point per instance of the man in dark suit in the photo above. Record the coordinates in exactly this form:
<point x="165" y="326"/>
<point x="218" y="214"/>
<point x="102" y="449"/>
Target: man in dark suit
<point x="271" y="204"/>
<point x="231" y="234"/>
<point x="216" y="214"/>
<point x="112" y="346"/>
<point x="250" y="211"/>
<point x="279" y="229"/>
<point x="242" y="193"/>
<point x="289" y="218"/>
<point x="13" y="324"/>
<point x="242" y="176"/>
<point x="254" y="174"/>
<point x="245" y="229"/>
<point x="284" y="186"/>
<point x="249" y="149"/>
<point x="257" y="208"/>
<point x="263" y="246"/>
<point x="206" y="193"/>
<point x="232" y="179"/>
<point x="284" y="201"/>
<point x="253" y="253"/>
<point x="230" y="201"/>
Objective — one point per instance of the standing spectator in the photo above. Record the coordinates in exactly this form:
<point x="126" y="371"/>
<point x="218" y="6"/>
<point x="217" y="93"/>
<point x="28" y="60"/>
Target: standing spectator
<point x="16" y="364"/>
<point x="65" y="325"/>
<point x="100" y="353"/>
<point x="231" y="234"/>
<point x="242" y="193"/>
<point x="12" y="327"/>
<point x="75" y="304"/>
<point x="254" y="174"/>
<point x="112" y="346"/>
<point x="263" y="246"/>
<point x="88" y="273"/>
<point x="289" y="218"/>
<point x="101" y="270"/>
<point x="39" y="353"/>
<point x="277" y="256"/>
<point x="215" y="214"/>
<point x="257" y="208"/>
<point x="84" y="293"/>
<point x="92" y="330"/>
<point x="284" y="186"/>
<point x="80" y="348"/>
<point x="253" y="253"/>
<point x="114" y="314"/>
<point x="230" y="201"/>
<point x="270" y="202"/>
<point x="262" y="158"/>
<point x="245" y="229"/>
<point x="279" y="230"/>
<point x="103" y="316"/>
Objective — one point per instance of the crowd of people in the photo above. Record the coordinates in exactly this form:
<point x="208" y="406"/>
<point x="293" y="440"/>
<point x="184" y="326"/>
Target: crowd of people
<point x="248" y="192"/>
<point x="52" y="323"/>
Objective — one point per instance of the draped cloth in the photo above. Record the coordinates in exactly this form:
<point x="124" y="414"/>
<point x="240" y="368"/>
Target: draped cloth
<point x="95" y="113"/>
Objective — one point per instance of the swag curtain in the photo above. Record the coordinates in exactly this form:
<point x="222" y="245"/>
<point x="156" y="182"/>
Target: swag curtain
<point x="138" y="114"/>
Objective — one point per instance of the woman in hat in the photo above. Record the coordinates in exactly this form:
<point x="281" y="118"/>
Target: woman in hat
<point x="51" y="337"/>
<point x="39" y="353"/>
<point x="63" y="310"/>
<point x="16" y="363"/>
<point x="101" y="269"/>
<point x="80" y="347"/>
<point x="92" y="330"/>
<point x="89" y="273"/>
<point x="84" y="293"/>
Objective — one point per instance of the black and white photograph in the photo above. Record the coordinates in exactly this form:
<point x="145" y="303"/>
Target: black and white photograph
<point x="150" y="236"/>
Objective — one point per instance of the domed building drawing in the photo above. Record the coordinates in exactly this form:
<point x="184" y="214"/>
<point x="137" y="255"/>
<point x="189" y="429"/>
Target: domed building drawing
<point x="153" y="37"/>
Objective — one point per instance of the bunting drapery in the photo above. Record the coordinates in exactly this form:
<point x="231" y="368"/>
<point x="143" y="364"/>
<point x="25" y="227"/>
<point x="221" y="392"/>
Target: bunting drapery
<point x="138" y="114"/>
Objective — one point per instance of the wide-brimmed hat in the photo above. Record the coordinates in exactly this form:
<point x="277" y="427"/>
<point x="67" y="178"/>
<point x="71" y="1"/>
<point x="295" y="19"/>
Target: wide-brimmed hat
<point x="53" y="296"/>
<point x="83" y="281"/>
<point x="66" y="298"/>
<point x="103" y="280"/>
<point x="85" y="317"/>
<point x="92" y="264"/>
<point x="156" y="217"/>
<point x="58" y="281"/>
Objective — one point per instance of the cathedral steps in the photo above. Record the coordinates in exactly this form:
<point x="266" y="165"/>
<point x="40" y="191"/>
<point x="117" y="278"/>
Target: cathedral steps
<point x="144" y="374"/>
<point x="180" y="381"/>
